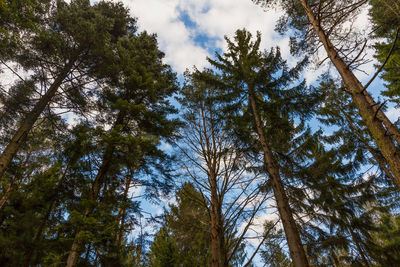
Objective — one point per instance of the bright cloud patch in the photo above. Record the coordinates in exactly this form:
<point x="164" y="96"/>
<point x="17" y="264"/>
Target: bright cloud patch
<point x="191" y="30"/>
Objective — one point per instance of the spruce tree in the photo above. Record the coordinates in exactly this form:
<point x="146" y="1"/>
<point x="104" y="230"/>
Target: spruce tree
<point x="262" y="103"/>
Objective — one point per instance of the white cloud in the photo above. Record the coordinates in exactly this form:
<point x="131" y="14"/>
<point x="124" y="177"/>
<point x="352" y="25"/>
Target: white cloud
<point x="211" y="19"/>
<point x="393" y="114"/>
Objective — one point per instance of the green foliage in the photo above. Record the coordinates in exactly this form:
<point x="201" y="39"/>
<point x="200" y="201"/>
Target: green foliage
<point x="385" y="15"/>
<point x="186" y="233"/>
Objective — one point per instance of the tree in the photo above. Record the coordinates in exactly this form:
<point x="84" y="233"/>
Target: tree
<point x="138" y="107"/>
<point x="385" y="14"/>
<point x="321" y="23"/>
<point x="218" y="168"/>
<point x="263" y="81"/>
<point x="185" y="237"/>
<point x="72" y="49"/>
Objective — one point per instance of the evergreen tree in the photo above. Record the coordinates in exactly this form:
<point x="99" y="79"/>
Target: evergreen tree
<point x="255" y="89"/>
<point x="322" y="23"/>
<point x="74" y="47"/>
<point x="385" y="14"/>
<point x="138" y="107"/>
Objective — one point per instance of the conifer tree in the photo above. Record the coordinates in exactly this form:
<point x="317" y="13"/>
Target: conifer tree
<point x="255" y="89"/>
<point x="385" y="14"/>
<point x="322" y="23"/>
<point x="72" y="48"/>
<point x="138" y="107"/>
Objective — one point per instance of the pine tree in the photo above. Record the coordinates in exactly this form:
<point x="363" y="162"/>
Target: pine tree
<point x="385" y="14"/>
<point x="138" y="107"/>
<point x="73" y="48"/>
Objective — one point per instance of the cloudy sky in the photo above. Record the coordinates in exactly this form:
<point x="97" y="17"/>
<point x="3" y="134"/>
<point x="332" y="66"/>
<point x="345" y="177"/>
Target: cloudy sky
<point x="190" y="30"/>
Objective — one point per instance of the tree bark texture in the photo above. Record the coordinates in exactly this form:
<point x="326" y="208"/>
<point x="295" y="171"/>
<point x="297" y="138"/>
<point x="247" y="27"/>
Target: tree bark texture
<point x="296" y="249"/>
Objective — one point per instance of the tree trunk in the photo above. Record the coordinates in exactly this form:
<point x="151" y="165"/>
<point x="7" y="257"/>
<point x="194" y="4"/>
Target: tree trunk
<point x="30" y="119"/>
<point x="8" y="192"/>
<point x="223" y="253"/>
<point x="214" y="222"/>
<point x="209" y="155"/>
<point x="122" y="211"/>
<point x="271" y="166"/>
<point x="97" y="184"/>
<point x="374" y="118"/>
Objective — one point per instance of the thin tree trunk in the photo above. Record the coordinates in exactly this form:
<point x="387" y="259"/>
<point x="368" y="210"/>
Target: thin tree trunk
<point x="30" y="119"/>
<point x="97" y="184"/>
<point x="54" y="199"/>
<point x="374" y="118"/>
<point x="214" y="222"/>
<point x="289" y="225"/>
<point x="209" y="156"/>
<point x="122" y="211"/>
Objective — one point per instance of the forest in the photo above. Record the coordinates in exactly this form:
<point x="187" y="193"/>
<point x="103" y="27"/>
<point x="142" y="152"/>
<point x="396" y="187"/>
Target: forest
<point x="110" y="157"/>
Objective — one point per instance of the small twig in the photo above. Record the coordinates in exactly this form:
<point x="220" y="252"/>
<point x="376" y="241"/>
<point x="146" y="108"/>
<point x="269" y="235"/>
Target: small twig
<point x="380" y="106"/>
<point x="13" y="71"/>
<point x="384" y="63"/>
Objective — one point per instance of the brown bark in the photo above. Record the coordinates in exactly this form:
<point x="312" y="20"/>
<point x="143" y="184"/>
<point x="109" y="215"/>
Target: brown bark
<point x="97" y="184"/>
<point x="122" y="212"/>
<point x="211" y="164"/>
<point x="8" y="192"/>
<point x="381" y="129"/>
<point x="30" y="119"/>
<point x="271" y="166"/>
<point x="223" y="253"/>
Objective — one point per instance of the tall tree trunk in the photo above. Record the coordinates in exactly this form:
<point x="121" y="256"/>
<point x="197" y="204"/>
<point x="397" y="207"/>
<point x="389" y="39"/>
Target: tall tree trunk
<point x="271" y="166"/>
<point x="369" y="110"/>
<point x="214" y="222"/>
<point x="223" y="253"/>
<point x="210" y="157"/>
<point x="97" y="184"/>
<point x="30" y="119"/>
<point x="122" y="211"/>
